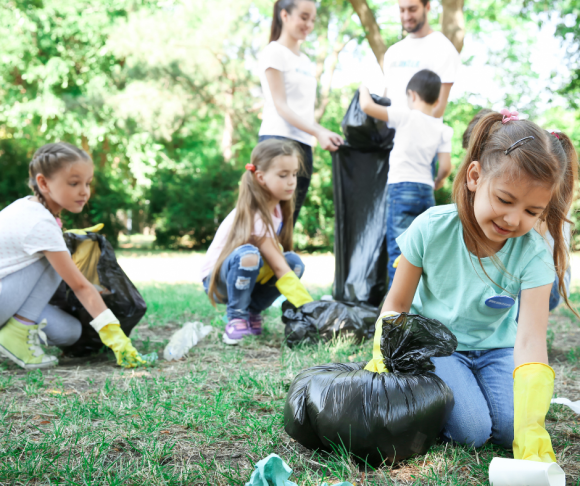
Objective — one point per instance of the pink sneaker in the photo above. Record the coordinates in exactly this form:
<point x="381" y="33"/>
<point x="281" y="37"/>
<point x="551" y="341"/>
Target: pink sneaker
<point x="236" y="329"/>
<point x="256" y="321"/>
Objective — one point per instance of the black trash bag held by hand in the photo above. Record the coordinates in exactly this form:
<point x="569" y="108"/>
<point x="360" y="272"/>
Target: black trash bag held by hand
<point x="95" y="257"/>
<point x="363" y="132"/>
<point x="325" y="320"/>
<point x="376" y="416"/>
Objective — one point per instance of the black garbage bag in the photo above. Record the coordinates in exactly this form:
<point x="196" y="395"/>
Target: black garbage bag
<point x="120" y="295"/>
<point x="360" y="244"/>
<point x="376" y="417"/>
<point x="365" y="133"/>
<point x="324" y="320"/>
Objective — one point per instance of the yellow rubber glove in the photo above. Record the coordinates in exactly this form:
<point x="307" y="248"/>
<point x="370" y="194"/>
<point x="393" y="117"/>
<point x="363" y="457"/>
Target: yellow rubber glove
<point x="292" y="288"/>
<point x="127" y="356"/>
<point x="111" y="334"/>
<point x="533" y="389"/>
<point x="84" y="231"/>
<point x="396" y="262"/>
<point x="266" y="273"/>
<point x="377" y="364"/>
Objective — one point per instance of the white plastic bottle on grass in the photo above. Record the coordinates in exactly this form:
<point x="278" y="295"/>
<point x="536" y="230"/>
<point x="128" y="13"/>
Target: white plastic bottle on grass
<point x="184" y="339"/>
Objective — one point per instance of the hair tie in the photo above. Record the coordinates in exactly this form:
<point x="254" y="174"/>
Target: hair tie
<point x="556" y="135"/>
<point x="251" y="167"/>
<point x="509" y="116"/>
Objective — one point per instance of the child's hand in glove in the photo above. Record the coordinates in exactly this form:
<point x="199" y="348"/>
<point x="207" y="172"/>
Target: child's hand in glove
<point x="110" y="332"/>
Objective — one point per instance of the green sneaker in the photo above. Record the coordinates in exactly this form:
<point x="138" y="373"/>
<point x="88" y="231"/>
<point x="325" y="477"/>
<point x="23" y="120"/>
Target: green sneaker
<point x="21" y="344"/>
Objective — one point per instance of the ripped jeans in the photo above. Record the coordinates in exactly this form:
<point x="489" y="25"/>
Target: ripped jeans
<point x="237" y="283"/>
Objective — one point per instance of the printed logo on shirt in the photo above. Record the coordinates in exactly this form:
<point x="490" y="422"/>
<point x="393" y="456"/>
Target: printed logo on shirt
<point x="304" y="72"/>
<point x="409" y="63"/>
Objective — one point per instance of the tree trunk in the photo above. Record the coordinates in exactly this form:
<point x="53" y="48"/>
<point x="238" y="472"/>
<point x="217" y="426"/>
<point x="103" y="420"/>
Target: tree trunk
<point x="367" y="19"/>
<point x="453" y="22"/>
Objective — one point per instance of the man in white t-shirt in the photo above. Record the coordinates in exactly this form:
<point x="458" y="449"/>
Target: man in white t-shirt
<point x="422" y="48"/>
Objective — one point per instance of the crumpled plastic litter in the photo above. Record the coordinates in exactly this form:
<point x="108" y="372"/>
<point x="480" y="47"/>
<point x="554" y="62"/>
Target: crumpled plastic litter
<point x="184" y="339"/>
<point x="97" y="261"/>
<point x="376" y="417"/>
<point x="575" y="406"/>
<point x="273" y="471"/>
<point x="324" y="320"/>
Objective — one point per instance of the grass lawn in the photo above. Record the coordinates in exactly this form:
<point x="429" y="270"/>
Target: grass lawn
<point x="208" y="419"/>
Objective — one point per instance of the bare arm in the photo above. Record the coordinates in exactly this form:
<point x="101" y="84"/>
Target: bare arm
<point x="271" y="253"/>
<point x="328" y="140"/>
<point x="444" y="169"/>
<point x="83" y="289"/>
<point x="443" y="99"/>
<point x="370" y="107"/>
<point x="400" y="297"/>
<point x="532" y="326"/>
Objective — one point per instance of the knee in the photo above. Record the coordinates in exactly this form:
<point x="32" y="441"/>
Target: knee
<point x="295" y="263"/>
<point x="249" y="258"/>
<point x="471" y="431"/>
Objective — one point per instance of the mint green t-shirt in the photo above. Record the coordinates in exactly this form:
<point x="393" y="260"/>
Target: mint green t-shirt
<point x="453" y="287"/>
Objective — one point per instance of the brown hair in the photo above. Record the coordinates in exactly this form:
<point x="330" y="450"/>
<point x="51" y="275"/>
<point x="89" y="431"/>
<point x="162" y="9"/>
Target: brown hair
<point x="253" y="199"/>
<point x="48" y="160"/>
<point x="288" y="5"/>
<point x="548" y="159"/>
<point x="467" y="133"/>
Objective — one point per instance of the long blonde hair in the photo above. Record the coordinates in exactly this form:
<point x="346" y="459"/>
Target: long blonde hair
<point x="253" y="199"/>
<point x="549" y="159"/>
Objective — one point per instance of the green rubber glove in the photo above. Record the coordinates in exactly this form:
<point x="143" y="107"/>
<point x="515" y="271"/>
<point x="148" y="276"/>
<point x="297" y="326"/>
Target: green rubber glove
<point x="292" y="288"/>
<point x="533" y="389"/>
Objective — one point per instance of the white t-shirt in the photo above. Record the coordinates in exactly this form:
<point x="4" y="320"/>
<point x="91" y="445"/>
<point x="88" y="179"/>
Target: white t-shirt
<point x="409" y="56"/>
<point x="221" y="237"/>
<point x="26" y="229"/>
<point x="418" y="138"/>
<point x="300" y="85"/>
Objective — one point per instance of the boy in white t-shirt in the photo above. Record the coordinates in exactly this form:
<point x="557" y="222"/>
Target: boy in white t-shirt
<point x="418" y="138"/>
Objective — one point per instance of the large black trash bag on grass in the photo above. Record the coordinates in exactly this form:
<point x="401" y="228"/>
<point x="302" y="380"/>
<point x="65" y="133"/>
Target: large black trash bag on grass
<point x="359" y="172"/>
<point x="363" y="132"/>
<point x="118" y="292"/>
<point x="376" y="417"/>
<point x="325" y="320"/>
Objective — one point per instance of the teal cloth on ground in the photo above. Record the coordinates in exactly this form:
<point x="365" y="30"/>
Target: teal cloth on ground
<point x="273" y="471"/>
<point x="453" y="287"/>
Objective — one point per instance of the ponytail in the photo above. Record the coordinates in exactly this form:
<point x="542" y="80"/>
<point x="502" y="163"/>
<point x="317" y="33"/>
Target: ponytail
<point x="557" y="211"/>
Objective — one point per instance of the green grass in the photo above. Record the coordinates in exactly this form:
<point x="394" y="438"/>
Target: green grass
<point x="208" y="419"/>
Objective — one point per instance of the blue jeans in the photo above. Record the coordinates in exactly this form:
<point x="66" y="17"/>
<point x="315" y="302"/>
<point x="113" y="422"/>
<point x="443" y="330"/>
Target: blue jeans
<point x="237" y="283"/>
<point x="405" y="201"/>
<point x="482" y="385"/>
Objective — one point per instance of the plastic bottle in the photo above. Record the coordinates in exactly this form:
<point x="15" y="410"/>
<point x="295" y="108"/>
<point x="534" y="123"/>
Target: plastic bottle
<point x="184" y="339"/>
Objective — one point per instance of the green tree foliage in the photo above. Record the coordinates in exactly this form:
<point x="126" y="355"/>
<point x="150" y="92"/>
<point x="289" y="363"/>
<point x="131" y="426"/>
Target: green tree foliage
<point x="164" y="95"/>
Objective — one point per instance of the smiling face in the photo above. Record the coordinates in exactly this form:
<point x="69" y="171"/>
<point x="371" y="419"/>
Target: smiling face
<point x="300" y="22"/>
<point x="413" y="14"/>
<point x="280" y="178"/>
<point x="69" y="188"/>
<point x="504" y="207"/>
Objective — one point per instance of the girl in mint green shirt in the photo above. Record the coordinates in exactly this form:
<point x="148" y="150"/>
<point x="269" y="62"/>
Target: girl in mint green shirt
<point x="464" y="264"/>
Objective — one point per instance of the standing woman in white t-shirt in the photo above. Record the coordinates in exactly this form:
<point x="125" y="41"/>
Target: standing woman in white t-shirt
<point x="34" y="260"/>
<point x="289" y="86"/>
